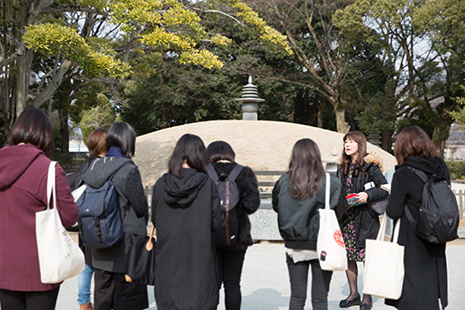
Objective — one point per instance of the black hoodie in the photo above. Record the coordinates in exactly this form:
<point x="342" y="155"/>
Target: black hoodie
<point x="185" y="211"/>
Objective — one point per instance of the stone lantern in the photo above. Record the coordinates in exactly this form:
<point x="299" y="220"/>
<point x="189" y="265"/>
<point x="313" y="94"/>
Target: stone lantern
<point x="250" y="101"/>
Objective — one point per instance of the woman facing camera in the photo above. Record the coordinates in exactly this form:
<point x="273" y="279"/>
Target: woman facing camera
<point x="297" y="197"/>
<point x="231" y="258"/>
<point x="360" y="174"/>
<point x="23" y="192"/>
<point x="185" y="210"/>
<point x="425" y="279"/>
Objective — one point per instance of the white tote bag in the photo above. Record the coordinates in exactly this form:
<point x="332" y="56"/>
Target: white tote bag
<point x="384" y="265"/>
<point x="330" y="244"/>
<point x="60" y="257"/>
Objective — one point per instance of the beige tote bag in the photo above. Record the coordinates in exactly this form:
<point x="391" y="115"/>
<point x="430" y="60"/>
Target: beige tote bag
<point x="384" y="265"/>
<point x="330" y="244"/>
<point x="60" y="257"/>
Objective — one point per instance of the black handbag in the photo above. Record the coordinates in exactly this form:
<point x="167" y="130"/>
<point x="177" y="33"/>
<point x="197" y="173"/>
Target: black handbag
<point x="140" y="265"/>
<point x="379" y="206"/>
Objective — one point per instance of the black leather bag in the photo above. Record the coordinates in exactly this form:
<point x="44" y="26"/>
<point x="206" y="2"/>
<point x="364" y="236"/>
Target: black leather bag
<point x="140" y="265"/>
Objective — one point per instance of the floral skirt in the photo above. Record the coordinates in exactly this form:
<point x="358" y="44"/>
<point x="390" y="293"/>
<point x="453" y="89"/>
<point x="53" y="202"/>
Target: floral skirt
<point x="348" y="233"/>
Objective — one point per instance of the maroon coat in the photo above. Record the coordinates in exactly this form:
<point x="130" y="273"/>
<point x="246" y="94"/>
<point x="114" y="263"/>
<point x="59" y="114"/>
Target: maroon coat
<point x="23" y="191"/>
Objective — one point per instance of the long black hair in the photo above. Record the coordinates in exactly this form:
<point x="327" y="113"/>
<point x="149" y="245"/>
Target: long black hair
<point x="305" y="169"/>
<point x="191" y="149"/>
<point x="123" y="136"/>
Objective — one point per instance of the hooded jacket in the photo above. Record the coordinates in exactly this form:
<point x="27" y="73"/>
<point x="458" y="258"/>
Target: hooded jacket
<point x="367" y="220"/>
<point x="132" y="206"/>
<point x="299" y="219"/>
<point x="23" y="192"/>
<point x="425" y="278"/>
<point x="185" y="211"/>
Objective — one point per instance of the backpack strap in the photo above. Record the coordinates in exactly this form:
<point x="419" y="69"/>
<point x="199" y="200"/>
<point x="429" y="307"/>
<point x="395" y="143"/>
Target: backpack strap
<point x="235" y="172"/>
<point x="409" y="216"/>
<point x="425" y="180"/>
<point x="420" y="174"/>
<point x="126" y="163"/>
<point x="211" y="172"/>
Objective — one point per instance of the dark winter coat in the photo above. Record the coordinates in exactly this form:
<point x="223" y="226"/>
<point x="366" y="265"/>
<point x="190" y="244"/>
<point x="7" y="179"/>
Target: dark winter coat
<point x="23" y="192"/>
<point x="249" y="200"/>
<point x="132" y="205"/>
<point x="299" y="219"/>
<point x="184" y="212"/>
<point x="366" y="220"/>
<point x="425" y="278"/>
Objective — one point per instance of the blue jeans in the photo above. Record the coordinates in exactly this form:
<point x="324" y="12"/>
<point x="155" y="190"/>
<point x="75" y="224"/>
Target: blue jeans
<point x="84" y="285"/>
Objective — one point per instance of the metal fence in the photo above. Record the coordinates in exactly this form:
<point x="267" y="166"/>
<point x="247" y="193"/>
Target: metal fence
<point x="460" y="195"/>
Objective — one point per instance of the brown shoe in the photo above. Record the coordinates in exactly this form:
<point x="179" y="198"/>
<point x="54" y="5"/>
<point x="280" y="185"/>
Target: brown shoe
<point x="87" y="306"/>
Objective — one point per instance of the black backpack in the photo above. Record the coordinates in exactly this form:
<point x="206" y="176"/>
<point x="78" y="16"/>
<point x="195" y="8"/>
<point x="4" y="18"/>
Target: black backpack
<point x="100" y="223"/>
<point x="229" y="195"/>
<point x="439" y="213"/>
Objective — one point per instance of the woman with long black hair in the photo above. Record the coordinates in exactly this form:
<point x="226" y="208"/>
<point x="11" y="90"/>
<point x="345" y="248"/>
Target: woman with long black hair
<point x="185" y="210"/>
<point x="297" y="197"/>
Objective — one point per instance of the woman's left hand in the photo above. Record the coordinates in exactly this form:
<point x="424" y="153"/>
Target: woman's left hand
<point x="363" y="197"/>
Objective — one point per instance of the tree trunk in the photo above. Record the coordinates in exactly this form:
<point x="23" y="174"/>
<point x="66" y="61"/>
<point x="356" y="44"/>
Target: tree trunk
<point x="64" y="131"/>
<point x="22" y="84"/>
<point x="386" y="140"/>
<point x="341" y="124"/>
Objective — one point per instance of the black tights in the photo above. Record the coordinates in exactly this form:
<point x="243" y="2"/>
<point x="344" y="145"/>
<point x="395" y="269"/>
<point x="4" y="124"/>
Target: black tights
<point x="352" y="273"/>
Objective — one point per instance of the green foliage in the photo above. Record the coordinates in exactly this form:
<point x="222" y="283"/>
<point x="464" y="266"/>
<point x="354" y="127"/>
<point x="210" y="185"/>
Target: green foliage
<point x="456" y="169"/>
<point x="53" y="39"/>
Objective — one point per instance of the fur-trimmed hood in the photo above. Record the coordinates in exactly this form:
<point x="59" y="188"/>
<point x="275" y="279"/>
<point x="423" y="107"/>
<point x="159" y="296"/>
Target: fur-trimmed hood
<point x="375" y="160"/>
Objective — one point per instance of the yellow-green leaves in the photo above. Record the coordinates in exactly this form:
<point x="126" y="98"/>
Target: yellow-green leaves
<point x="266" y="32"/>
<point x="53" y="39"/>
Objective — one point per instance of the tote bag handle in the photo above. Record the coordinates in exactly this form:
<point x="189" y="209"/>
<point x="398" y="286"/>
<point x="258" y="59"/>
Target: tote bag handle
<point x="328" y="185"/>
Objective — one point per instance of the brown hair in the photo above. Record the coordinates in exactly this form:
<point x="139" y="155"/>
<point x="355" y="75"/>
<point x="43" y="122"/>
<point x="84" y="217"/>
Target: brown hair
<point x="96" y="142"/>
<point x="305" y="169"/>
<point x="33" y="127"/>
<point x="413" y="141"/>
<point x="346" y="160"/>
<point x="220" y="150"/>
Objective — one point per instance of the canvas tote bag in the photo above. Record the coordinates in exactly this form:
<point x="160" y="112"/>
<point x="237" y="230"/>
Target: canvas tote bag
<point x="330" y="244"/>
<point x="60" y="257"/>
<point x="384" y="265"/>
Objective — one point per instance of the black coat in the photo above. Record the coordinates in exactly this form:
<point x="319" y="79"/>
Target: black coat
<point x="184" y="212"/>
<point x="249" y="200"/>
<point x="366" y="220"/>
<point x="425" y="278"/>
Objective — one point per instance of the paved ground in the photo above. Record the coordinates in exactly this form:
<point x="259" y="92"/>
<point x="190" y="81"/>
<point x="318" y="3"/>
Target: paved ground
<point x="265" y="282"/>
